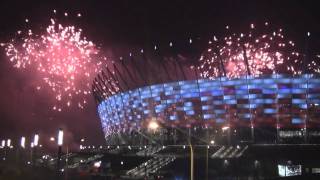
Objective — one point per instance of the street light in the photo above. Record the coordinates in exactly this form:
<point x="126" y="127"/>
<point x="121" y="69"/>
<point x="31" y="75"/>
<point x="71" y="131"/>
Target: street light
<point x="23" y="142"/>
<point x="31" y="152"/>
<point x="9" y="143"/>
<point x="207" y="159"/>
<point x="60" y="137"/>
<point x="3" y="143"/>
<point x="153" y="125"/>
<point x="36" y="140"/>
<point x="60" y="143"/>
<point x="212" y="142"/>
<point x="35" y="144"/>
<point x="225" y="128"/>
<point x="81" y="144"/>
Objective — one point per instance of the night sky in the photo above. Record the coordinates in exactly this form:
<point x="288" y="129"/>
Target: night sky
<point x="117" y="25"/>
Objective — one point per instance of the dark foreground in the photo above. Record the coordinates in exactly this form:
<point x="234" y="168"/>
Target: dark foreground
<point x="213" y="162"/>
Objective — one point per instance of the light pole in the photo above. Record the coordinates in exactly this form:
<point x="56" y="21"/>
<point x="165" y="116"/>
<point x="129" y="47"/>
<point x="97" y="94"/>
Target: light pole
<point x="154" y="125"/>
<point x="207" y="159"/>
<point x="81" y="143"/>
<point x="3" y="146"/>
<point x="19" y="151"/>
<point x="60" y="143"/>
<point x="8" y="147"/>
<point x="4" y="143"/>
<point x="191" y="157"/>
<point x="35" y="144"/>
<point x="31" y="150"/>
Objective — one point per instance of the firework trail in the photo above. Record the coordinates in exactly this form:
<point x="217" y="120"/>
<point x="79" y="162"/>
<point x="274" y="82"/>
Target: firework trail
<point x="255" y="53"/>
<point x="62" y="57"/>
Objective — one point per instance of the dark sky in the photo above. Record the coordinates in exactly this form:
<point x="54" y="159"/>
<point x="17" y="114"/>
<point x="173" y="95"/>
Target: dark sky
<point x="133" y="24"/>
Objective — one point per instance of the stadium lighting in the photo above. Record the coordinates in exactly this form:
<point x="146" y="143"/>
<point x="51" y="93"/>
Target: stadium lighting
<point x="97" y="164"/>
<point x="60" y="137"/>
<point x="8" y="142"/>
<point x="153" y="125"/>
<point x="225" y="128"/>
<point x="23" y="142"/>
<point x="36" y="140"/>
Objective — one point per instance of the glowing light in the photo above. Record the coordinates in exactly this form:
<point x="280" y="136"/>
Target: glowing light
<point x="153" y="125"/>
<point x="8" y="142"/>
<point x="225" y="128"/>
<point x="61" y="58"/>
<point x="23" y="142"/>
<point x="97" y="164"/>
<point x="36" y="140"/>
<point x="3" y="143"/>
<point x="60" y="137"/>
<point x="52" y="139"/>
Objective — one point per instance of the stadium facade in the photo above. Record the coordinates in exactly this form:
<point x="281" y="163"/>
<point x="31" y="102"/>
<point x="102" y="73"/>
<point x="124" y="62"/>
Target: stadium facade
<point x="274" y="108"/>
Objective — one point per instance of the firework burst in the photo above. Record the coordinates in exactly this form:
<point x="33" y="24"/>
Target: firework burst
<point x="62" y="57"/>
<point x="252" y="53"/>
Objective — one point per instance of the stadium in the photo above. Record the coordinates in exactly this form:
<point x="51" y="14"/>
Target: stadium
<point x="170" y="98"/>
<point x="284" y="106"/>
<point x="199" y="108"/>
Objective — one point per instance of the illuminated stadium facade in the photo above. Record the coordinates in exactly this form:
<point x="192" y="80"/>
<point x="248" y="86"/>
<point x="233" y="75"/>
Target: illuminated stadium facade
<point x="233" y="92"/>
<point x="281" y="105"/>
